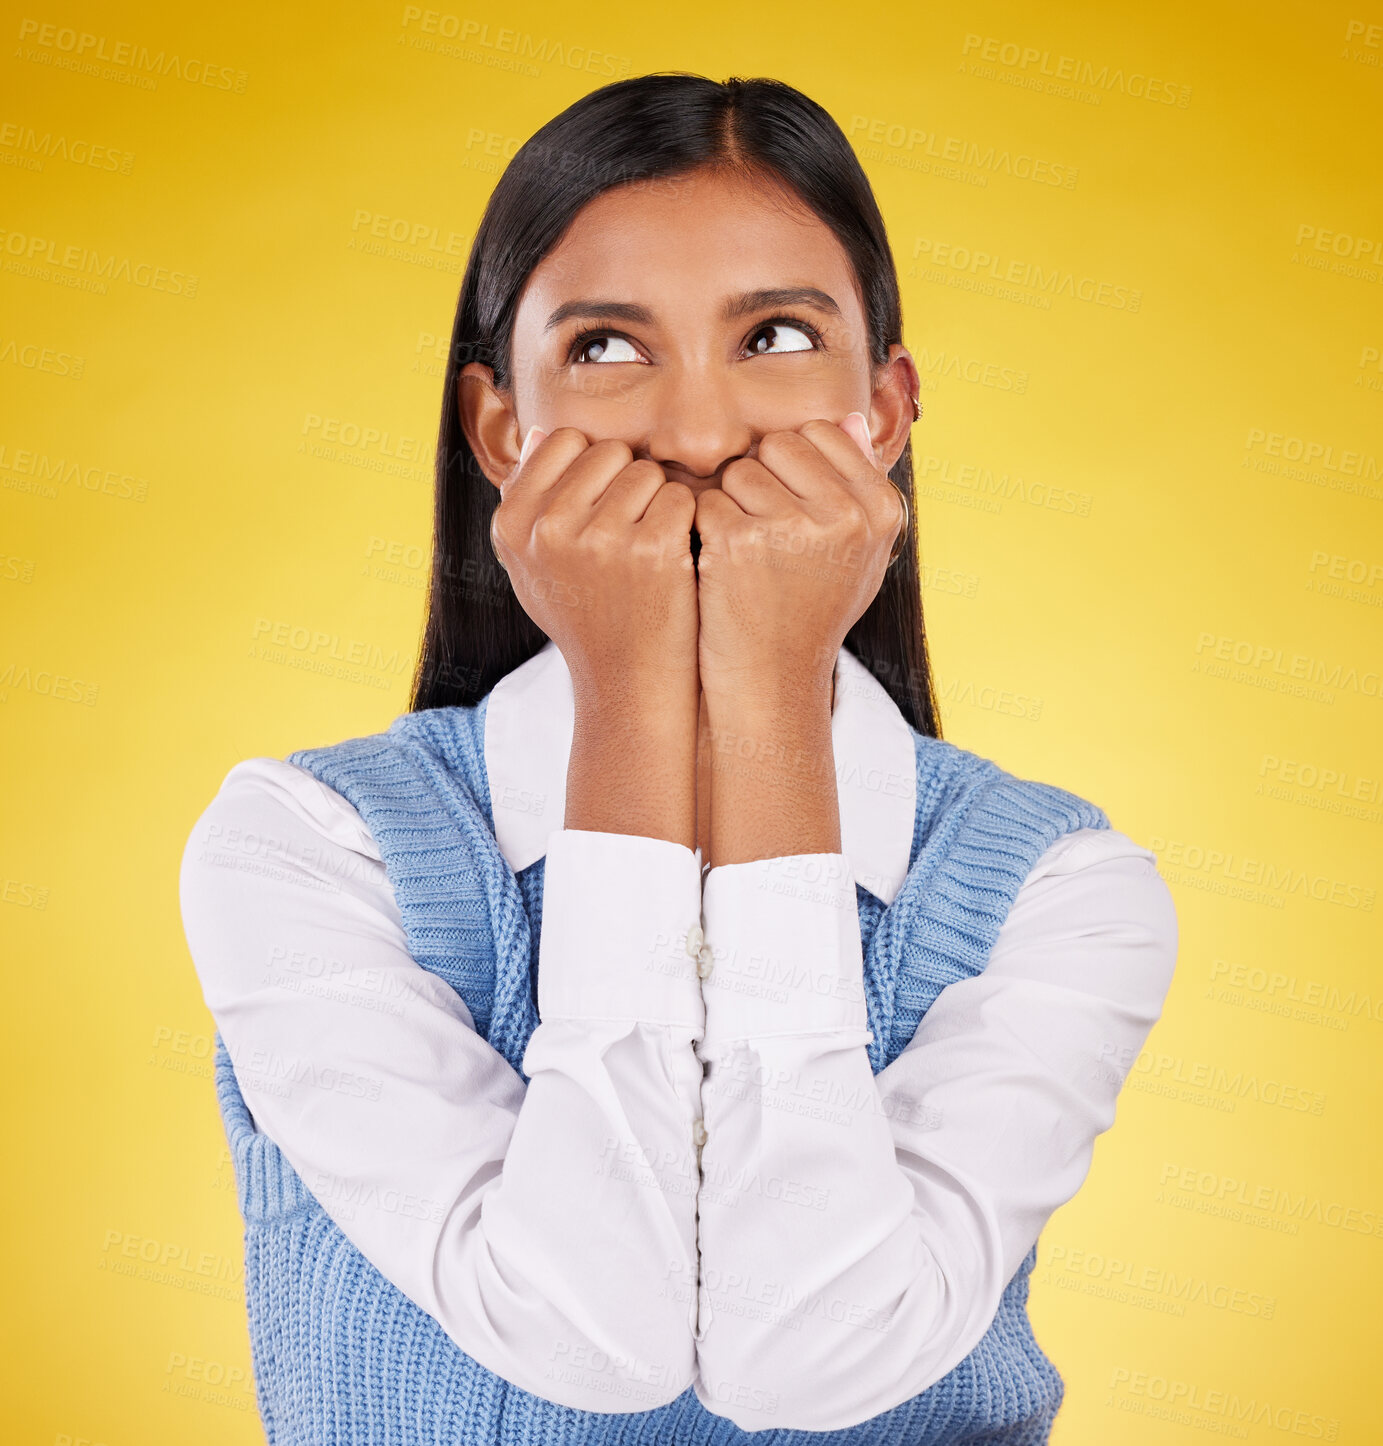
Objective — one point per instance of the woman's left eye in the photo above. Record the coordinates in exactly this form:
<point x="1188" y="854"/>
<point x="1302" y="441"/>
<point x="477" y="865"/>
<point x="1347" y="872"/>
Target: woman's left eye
<point x="608" y="346"/>
<point x="780" y="337"/>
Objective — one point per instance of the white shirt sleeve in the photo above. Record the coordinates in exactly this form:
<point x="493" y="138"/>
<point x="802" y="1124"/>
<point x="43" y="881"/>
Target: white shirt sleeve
<point x="548" y="1229"/>
<point x="857" y="1231"/>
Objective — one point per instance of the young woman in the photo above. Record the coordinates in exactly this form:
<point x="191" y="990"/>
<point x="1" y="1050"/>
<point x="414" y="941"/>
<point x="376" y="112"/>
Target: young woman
<point x="659" y="1034"/>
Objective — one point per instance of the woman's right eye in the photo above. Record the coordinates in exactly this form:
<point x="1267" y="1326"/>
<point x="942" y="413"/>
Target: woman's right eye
<point x="605" y="346"/>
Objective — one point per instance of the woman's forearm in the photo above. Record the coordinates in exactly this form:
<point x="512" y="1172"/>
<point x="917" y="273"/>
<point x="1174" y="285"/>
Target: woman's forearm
<point x="548" y="1228"/>
<point x="632" y="767"/>
<point x="772" y="768"/>
<point x="856" y="1231"/>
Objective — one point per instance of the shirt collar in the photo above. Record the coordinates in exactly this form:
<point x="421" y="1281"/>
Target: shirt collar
<point x="529" y="721"/>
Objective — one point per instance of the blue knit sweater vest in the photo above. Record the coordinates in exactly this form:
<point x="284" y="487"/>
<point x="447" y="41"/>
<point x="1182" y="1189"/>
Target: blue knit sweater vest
<point x="342" y="1357"/>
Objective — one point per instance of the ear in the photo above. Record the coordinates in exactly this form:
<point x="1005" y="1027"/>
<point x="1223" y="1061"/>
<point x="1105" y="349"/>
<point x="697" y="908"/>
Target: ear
<point x="896" y="383"/>
<point x="488" y="420"/>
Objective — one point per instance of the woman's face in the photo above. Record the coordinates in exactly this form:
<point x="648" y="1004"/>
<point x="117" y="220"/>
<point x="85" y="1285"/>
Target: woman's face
<point x="687" y="317"/>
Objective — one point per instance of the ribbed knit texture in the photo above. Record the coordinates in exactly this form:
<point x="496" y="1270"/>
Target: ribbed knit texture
<point x="343" y="1358"/>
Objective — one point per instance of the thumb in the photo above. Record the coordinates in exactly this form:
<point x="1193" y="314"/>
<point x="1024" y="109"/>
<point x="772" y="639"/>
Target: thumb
<point x="534" y="435"/>
<point x="856" y="426"/>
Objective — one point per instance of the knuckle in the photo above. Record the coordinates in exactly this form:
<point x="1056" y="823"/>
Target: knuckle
<point x="681" y="497"/>
<point x="742" y="547"/>
<point x="770" y="445"/>
<point x="614" y="449"/>
<point x="642" y="467"/>
<point x="599" y="539"/>
<point x="739" y="469"/>
<point x="646" y="547"/>
<point x="779" y="442"/>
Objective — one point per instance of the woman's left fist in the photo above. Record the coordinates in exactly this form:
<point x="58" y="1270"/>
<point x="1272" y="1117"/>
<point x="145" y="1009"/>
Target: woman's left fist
<point x="794" y="546"/>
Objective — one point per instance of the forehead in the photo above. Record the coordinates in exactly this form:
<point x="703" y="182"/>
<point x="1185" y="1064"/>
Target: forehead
<point x="688" y="241"/>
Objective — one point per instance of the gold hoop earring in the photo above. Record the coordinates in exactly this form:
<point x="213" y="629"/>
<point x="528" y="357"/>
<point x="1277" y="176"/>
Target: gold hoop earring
<point x="902" y="540"/>
<point x="916" y="409"/>
<point x="494" y="514"/>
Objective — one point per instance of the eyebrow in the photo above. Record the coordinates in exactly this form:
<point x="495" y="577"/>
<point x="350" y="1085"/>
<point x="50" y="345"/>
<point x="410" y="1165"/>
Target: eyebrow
<point x="735" y="306"/>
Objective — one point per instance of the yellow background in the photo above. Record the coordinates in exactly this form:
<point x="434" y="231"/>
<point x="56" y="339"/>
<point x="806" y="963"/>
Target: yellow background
<point x="1166" y="612"/>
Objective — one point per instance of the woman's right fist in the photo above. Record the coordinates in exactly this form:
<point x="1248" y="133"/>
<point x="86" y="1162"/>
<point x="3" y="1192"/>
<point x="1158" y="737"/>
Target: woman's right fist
<point x="598" y="548"/>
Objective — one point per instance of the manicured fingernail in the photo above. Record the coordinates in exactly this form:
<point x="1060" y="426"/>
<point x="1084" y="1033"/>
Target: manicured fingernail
<point x="860" y="432"/>
<point x="535" y="435"/>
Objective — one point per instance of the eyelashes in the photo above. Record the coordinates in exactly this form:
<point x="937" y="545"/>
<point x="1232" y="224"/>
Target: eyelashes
<point x="799" y="323"/>
<point x="584" y="338"/>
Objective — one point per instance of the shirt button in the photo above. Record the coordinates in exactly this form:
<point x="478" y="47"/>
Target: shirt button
<point x="699" y="1133"/>
<point x="695" y="938"/>
<point x="705" y="961"/>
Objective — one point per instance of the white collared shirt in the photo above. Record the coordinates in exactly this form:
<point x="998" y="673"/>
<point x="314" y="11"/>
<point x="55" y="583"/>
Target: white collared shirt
<point x="703" y="1183"/>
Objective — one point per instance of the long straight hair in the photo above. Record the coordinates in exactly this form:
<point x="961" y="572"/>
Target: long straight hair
<point x="646" y="130"/>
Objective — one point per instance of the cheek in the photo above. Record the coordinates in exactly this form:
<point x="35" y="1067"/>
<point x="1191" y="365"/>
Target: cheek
<point x="617" y="400"/>
<point x="601" y="386"/>
<point x="786" y="397"/>
<point x="599" y="400"/>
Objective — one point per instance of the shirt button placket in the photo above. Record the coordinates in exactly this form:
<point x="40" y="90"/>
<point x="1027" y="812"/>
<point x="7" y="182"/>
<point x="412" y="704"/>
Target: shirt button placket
<point x="700" y="950"/>
<point x="697" y="948"/>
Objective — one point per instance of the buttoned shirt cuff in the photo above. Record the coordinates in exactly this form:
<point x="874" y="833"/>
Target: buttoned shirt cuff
<point x="784" y="942"/>
<point x="619" y="912"/>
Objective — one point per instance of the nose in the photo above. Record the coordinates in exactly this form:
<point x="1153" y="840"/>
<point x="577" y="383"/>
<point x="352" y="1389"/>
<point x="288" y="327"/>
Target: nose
<point x="698" y="427"/>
